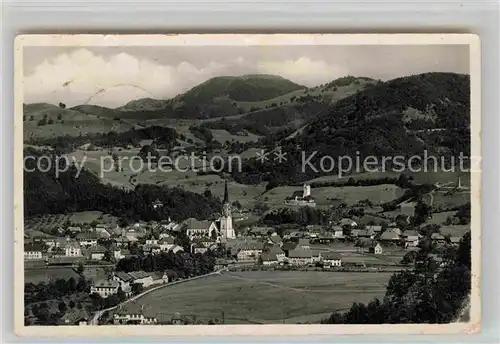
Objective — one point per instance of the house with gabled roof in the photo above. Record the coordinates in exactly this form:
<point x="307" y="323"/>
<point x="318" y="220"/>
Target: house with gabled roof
<point x="389" y="236"/>
<point x="330" y="258"/>
<point x="134" y="313"/>
<point x="348" y="222"/>
<point x="299" y="256"/>
<point x="105" y="288"/>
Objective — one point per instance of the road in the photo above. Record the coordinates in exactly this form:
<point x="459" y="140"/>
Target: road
<point x="95" y="319"/>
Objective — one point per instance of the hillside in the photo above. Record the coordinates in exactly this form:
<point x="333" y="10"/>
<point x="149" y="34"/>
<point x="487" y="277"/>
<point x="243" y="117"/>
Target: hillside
<point x="291" y="110"/>
<point x="401" y="117"/>
<point x="44" y="193"/>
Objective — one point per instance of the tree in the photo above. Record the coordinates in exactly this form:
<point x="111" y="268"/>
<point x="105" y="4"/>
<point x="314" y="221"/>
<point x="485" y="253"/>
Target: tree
<point x="108" y="256"/>
<point x="62" y="105"/>
<point x="50" y="121"/>
<point x="62" y="307"/>
<point x="137" y="288"/>
<point x="422" y="213"/>
<point x="59" y="116"/>
<point x="71" y="304"/>
<point x="122" y="222"/>
<point x="80" y="268"/>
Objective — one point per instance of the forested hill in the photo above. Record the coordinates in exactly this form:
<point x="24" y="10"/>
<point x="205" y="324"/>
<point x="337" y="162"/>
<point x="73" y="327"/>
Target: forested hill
<point x="217" y="97"/>
<point x="391" y="118"/>
<point x="400" y="117"/>
<point x="44" y="193"/>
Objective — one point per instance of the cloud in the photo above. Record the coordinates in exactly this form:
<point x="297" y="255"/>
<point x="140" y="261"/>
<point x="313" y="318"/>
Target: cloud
<point x="304" y="70"/>
<point x="82" y="76"/>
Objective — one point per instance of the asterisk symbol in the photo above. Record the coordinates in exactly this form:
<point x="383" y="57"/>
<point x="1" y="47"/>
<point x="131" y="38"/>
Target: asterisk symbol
<point x="262" y="156"/>
<point x="280" y="156"/>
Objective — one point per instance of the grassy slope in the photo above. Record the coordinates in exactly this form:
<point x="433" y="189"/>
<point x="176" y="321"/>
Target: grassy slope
<point x="267" y="297"/>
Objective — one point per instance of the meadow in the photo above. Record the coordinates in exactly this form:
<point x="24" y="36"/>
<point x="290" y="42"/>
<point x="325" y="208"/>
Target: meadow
<point x="267" y="296"/>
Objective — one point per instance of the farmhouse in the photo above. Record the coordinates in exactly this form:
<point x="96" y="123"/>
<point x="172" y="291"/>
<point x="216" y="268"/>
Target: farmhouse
<point x="87" y="239"/>
<point x="250" y="251"/>
<point x="159" y="277"/>
<point x="72" y="249"/>
<point x="411" y="238"/>
<point x="278" y="252"/>
<point x="268" y="259"/>
<point x="123" y="278"/>
<point x="133" y="313"/>
<point x="33" y="251"/>
<point x="366" y="233"/>
<point x="78" y="317"/>
<point x="304" y="244"/>
<point x="105" y="288"/>
<point x="300" y="256"/>
<point x="331" y="258"/>
<point x="97" y="253"/>
<point x="338" y="232"/>
<point x="389" y="236"/>
<point x="437" y="238"/>
<point x="141" y="277"/>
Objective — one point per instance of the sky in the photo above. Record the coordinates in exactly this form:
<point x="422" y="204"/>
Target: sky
<point x="113" y="76"/>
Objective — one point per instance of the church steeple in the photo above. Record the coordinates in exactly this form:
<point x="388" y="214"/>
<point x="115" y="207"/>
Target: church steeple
<point x="226" y="194"/>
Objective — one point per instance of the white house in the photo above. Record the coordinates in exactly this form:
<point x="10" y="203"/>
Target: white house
<point x="32" y="251"/>
<point x="134" y="313"/>
<point x="105" y="288"/>
<point x="338" y="232"/>
<point x="250" y="251"/>
<point x="124" y="279"/>
<point x="72" y="249"/>
<point x="87" y="239"/>
<point x="331" y="259"/>
<point x="97" y="253"/>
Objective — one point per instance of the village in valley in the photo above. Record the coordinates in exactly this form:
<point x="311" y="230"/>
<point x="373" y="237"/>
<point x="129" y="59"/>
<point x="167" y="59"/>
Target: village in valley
<point x="118" y="264"/>
<point x="122" y="226"/>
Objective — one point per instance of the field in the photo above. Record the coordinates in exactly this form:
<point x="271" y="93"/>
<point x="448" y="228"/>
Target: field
<point x="46" y="223"/>
<point x="267" y="296"/>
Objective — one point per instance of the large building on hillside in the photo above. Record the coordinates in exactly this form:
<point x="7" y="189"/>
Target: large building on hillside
<point x="302" y="198"/>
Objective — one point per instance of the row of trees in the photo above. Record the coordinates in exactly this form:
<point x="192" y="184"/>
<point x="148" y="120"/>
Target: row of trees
<point x="54" y="289"/>
<point x="429" y="292"/>
<point x="178" y="265"/>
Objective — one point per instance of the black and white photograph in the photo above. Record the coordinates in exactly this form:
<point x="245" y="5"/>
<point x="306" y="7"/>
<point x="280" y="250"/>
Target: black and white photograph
<point x="190" y="180"/>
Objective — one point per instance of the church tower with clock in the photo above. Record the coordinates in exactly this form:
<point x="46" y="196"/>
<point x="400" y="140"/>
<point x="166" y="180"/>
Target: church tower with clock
<point x="226" y="221"/>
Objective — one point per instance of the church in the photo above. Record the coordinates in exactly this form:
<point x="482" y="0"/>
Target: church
<point x="225" y="222"/>
<point x="220" y="229"/>
<point x="301" y="198"/>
